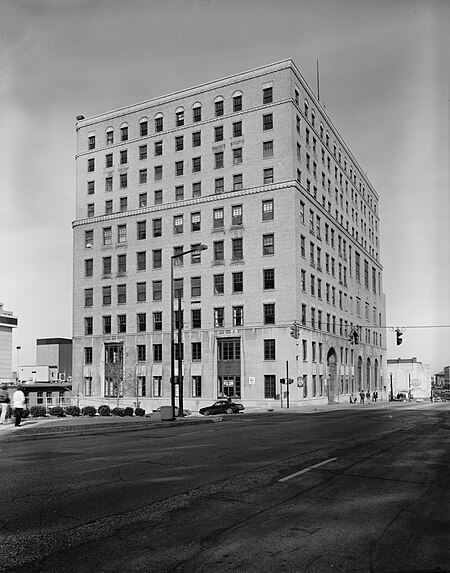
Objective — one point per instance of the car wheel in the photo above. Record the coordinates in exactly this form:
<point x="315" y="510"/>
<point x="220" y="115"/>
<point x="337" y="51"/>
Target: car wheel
<point x="206" y="413"/>
<point x="229" y="410"/>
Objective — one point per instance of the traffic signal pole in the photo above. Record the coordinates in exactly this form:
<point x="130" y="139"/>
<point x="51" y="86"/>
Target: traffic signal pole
<point x="287" y="384"/>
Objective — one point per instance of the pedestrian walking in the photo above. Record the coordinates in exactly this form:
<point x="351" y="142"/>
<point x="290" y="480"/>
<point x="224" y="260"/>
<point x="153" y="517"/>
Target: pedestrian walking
<point x="368" y="396"/>
<point x="4" y="402"/>
<point x="374" y="397"/>
<point x="361" y="397"/>
<point x="18" y="405"/>
<point x="352" y="399"/>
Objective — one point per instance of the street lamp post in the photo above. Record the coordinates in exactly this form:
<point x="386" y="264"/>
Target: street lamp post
<point x="392" y="391"/>
<point x="172" y="334"/>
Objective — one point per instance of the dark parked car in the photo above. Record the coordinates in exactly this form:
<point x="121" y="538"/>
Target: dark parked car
<point x="222" y="407"/>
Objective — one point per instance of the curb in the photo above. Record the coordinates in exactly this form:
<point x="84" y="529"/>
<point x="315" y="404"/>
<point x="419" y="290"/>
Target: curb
<point x="100" y="429"/>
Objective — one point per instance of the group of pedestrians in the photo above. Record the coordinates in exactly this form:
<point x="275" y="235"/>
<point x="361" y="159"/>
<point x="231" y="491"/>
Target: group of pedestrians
<point x="18" y="404"/>
<point x="364" y="397"/>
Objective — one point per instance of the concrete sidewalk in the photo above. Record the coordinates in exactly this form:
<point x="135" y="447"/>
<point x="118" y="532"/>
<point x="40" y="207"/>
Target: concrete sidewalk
<point x="41" y="428"/>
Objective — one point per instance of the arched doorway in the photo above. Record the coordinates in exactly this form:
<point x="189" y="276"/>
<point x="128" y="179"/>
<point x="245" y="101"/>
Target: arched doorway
<point x="375" y="374"/>
<point x="333" y="389"/>
<point x="368" y="375"/>
<point x="359" y="380"/>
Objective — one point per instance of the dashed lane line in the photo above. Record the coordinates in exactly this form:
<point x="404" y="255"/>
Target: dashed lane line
<point x="306" y="470"/>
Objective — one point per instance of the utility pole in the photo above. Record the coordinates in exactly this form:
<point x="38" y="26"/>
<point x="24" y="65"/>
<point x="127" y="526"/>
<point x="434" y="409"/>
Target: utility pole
<point x="287" y="383"/>
<point x="180" y="359"/>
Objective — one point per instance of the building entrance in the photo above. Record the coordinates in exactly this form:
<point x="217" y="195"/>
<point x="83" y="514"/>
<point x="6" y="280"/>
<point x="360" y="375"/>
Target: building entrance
<point x="333" y="389"/>
<point x="229" y="368"/>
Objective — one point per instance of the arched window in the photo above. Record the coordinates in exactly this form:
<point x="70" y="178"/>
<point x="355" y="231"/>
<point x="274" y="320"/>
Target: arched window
<point x="124" y="132"/>
<point x="159" y="122"/>
<point x="197" y="112"/>
<point x="109" y="136"/>
<point x="143" y="127"/>
<point x="179" y="117"/>
<point x="237" y="101"/>
<point x="218" y="106"/>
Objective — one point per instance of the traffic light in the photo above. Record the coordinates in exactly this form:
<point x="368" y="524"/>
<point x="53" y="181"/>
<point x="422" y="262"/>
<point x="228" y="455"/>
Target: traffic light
<point x="295" y="329"/>
<point x="399" y="334"/>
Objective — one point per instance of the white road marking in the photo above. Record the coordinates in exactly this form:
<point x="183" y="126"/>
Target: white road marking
<point x="304" y="471"/>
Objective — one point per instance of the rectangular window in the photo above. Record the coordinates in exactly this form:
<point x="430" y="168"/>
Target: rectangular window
<point x="196" y="318"/>
<point x="90" y="187"/>
<point x="158" y="173"/>
<point x="89" y="239"/>
<point x="238" y="282"/>
<point x="124" y="133"/>
<point x="157" y="258"/>
<point x="267" y="121"/>
<point x="268" y="149"/>
<point x="179" y="193"/>
<point x="218" y="218"/>
<point x="179" y="143"/>
<point x="157" y="353"/>
<point x="108" y="207"/>
<point x="157" y="290"/>
<point x="157" y="320"/>
<point x="88" y="325"/>
<point x="267" y="210"/>
<point x="267" y="95"/>
<point x="197" y="189"/>
<point x="269" y="349"/>
<point x="236" y="215"/>
<point x="218" y="250"/>
<point x="142" y="176"/>
<point x="141" y="353"/>
<point x="219" y="319"/>
<point x="123" y="180"/>
<point x="121" y="294"/>
<point x="91" y="142"/>
<point x="196" y="139"/>
<point x="178" y="224"/>
<point x="121" y="233"/>
<point x="88" y="354"/>
<point x="121" y="264"/>
<point x="197" y="114"/>
<point x="123" y="203"/>
<point x="159" y="125"/>
<point x="237" y="103"/>
<point x="179" y="168"/>
<point x="238" y="316"/>
<point x="157" y="227"/>
<point x="196" y="348"/>
<point x="237" y="249"/>
<point x="268" y="176"/>
<point x="237" y="155"/>
<point x="179" y="118"/>
<point x="270" y="386"/>
<point x="121" y="323"/>
<point x="88" y="297"/>
<point x="108" y="184"/>
<point x="269" y="313"/>
<point x="218" y="284"/>
<point x="218" y="160"/>
<point x="91" y="165"/>
<point x="106" y="324"/>
<point x="268" y="244"/>
<point x="237" y="182"/>
<point x="196" y="386"/>
<point x="141" y="386"/>
<point x="268" y="279"/>
<point x="106" y="294"/>
<point x="141" y="322"/>
<point x="196" y="164"/>
<point x="218" y="133"/>
<point x="195" y="221"/>
<point x="141" y="292"/>
<point x="123" y="157"/>
<point x="196" y="287"/>
<point x="219" y="185"/>
<point x="88" y="267"/>
<point x="237" y="129"/>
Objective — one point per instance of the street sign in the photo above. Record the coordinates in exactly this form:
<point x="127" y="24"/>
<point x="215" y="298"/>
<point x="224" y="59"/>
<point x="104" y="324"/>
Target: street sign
<point x="283" y="381"/>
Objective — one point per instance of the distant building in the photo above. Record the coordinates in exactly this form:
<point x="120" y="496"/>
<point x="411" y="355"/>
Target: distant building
<point x="409" y="377"/>
<point x="439" y="379"/>
<point x="252" y="167"/>
<point x="7" y="323"/>
<point x="49" y="381"/>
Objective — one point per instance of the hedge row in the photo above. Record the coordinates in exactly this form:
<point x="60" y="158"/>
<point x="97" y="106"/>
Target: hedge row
<point x="59" y="412"/>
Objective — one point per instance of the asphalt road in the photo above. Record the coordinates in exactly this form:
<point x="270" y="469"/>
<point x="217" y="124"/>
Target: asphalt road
<point x="361" y="489"/>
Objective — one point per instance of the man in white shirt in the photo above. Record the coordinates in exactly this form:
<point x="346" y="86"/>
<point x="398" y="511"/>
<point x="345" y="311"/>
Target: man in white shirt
<point x="18" y="405"/>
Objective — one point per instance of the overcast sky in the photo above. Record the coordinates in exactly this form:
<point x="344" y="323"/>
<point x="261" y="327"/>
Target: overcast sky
<point x="383" y="80"/>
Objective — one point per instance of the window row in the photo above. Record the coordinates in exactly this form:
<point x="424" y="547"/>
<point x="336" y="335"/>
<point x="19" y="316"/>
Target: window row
<point x="179" y="118"/>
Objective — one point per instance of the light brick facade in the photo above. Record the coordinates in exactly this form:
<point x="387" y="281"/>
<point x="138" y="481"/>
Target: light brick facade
<point x="292" y="234"/>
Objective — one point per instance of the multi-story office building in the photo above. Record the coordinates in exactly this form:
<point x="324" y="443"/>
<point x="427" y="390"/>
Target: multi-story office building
<point x="252" y="167"/>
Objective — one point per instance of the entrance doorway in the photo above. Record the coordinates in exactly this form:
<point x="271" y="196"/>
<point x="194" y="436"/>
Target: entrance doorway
<point x="333" y="389"/>
<point x="229" y="368"/>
